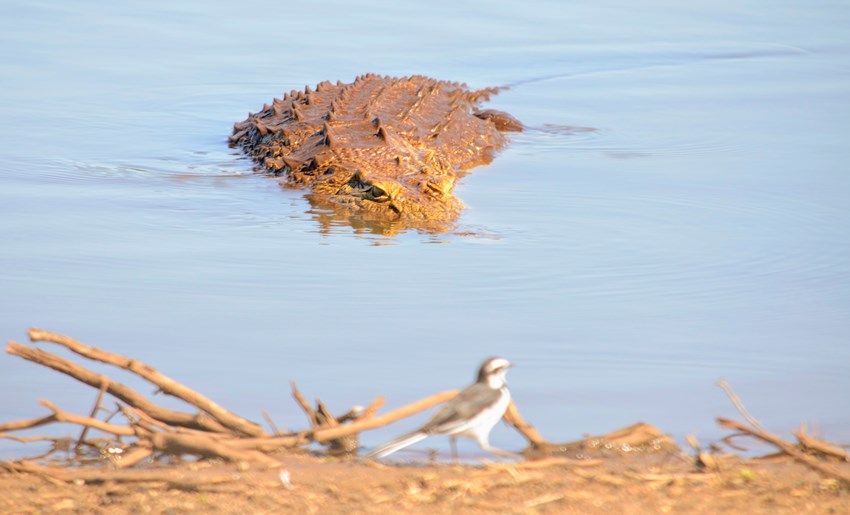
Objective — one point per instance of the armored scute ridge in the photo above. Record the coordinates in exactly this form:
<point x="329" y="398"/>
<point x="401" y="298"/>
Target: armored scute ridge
<point x="388" y="148"/>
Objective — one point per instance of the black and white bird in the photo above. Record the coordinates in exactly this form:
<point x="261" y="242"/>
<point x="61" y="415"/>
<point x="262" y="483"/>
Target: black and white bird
<point x="472" y="413"/>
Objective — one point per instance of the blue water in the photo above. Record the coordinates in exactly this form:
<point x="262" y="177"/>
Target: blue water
<point x="676" y="214"/>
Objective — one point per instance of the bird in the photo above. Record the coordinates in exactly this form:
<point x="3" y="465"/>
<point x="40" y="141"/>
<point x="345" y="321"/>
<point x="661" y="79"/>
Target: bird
<point x="472" y="413"/>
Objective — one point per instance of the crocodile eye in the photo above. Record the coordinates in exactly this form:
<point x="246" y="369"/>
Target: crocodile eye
<point x="377" y="193"/>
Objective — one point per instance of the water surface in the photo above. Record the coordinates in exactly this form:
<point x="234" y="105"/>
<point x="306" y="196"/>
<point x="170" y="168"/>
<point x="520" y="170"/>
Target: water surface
<point x="697" y="229"/>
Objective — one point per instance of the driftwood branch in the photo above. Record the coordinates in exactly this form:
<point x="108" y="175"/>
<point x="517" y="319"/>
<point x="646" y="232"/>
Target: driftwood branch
<point x="94" y="410"/>
<point x="164" y="383"/>
<point x="154" y="428"/>
<point x="332" y="433"/>
<point x="321" y="418"/>
<point x="270" y="422"/>
<point x="308" y="410"/>
<point x="373" y="408"/>
<point x="118" y="390"/>
<point x="267" y="444"/>
<point x="270" y="444"/>
<point x="514" y="419"/>
<point x="740" y="405"/>
<point x="63" y="416"/>
<point x="133" y="456"/>
<point x="27" y="424"/>
<point x="757" y="431"/>
<point x="788" y="449"/>
<point x="213" y="431"/>
<point x="206" y="446"/>
<point x="27" y="439"/>
<point x="326" y="418"/>
<point x="813" y="444"/>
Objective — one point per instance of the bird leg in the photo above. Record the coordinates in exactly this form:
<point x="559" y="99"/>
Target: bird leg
<point x="453" y="440"/>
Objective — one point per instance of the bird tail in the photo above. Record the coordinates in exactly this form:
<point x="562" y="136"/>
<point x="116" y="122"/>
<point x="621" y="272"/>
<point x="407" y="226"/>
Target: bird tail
<point x="394" y="445"/>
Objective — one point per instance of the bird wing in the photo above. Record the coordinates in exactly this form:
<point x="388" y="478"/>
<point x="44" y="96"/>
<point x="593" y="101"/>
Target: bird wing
<point x="456" y="413"/>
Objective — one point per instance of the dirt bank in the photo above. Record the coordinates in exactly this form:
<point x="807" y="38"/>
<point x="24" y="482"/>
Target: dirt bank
<point x="322" y="485"/>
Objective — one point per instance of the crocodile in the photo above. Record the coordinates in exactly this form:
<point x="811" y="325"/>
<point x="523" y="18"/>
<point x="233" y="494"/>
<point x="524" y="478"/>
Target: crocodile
<point x="385" y="148"/>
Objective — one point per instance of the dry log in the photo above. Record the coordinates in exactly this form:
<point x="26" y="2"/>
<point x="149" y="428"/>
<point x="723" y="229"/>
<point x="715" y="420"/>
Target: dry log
<point x="168" y="386"/>
<point x="118" y="390"/>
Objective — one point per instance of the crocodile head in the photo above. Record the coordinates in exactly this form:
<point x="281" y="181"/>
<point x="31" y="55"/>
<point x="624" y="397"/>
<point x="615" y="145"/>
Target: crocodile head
<point x="410" y="198"/>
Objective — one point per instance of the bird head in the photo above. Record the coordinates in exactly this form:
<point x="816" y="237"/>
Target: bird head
<point x="493" y="372"/>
